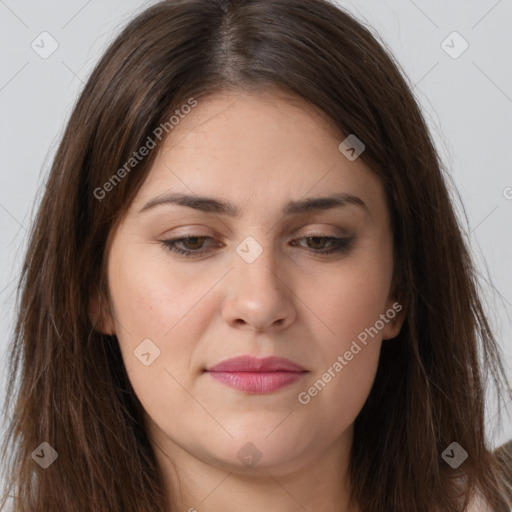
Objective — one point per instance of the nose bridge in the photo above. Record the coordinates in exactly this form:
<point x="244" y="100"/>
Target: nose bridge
<point x="259" y="295"/>
<point x="257" y="263"/>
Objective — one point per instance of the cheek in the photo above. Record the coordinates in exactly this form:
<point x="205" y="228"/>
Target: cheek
<point x="349" y="299"/>
<point x="337" y="394"/>
<point x="349" y="303"/>
<point x="151" y="303"/>
<point x="346" y="355"/>
<point x="150" y="297"/>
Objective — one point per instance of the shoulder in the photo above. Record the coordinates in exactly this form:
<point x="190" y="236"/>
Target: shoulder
<point x="478" y="505"/>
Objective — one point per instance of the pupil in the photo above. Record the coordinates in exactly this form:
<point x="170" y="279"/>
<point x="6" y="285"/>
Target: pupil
<point x="316" y="240"/>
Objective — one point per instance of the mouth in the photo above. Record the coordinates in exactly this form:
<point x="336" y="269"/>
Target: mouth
<point x="257" y="376"/>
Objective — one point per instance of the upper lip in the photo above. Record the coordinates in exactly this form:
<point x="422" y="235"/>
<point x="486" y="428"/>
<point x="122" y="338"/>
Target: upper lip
<point x="254" y="364"/>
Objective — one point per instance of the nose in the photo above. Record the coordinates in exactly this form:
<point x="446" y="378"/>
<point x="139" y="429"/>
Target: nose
<point x="259" y="295"/>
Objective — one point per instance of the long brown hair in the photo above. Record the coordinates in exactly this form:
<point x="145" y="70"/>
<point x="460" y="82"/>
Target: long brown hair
<point x="68" y="386"/>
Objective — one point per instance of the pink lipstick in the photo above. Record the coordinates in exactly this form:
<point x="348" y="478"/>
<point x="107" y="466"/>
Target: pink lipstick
<point x="257" y="376"/>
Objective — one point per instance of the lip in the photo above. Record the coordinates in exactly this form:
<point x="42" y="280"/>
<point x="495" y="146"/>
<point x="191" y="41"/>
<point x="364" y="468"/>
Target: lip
<point x="257" y="376"/>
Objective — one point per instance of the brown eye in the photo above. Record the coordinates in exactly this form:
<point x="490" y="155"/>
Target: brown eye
<point x="194" y="245"/>
<point x="337" y="245"/>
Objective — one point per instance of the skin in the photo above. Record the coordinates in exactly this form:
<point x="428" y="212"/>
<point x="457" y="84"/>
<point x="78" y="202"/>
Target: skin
<point x="258" y="150"/>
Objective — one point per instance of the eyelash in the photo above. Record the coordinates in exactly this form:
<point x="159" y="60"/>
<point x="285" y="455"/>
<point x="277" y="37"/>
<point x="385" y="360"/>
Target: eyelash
<point x="343" y="245"/>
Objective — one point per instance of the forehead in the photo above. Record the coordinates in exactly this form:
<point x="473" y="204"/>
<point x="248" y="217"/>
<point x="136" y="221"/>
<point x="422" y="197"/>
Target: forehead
<point x="246" y="122"/>
<point x="255" y="148"/>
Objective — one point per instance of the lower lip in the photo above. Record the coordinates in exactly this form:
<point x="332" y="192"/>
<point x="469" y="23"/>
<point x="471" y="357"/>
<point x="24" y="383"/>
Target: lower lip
<point x="257" y="382"/>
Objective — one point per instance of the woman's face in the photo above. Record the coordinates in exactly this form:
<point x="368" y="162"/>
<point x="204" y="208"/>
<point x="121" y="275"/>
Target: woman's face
<point x="254" y="284"/>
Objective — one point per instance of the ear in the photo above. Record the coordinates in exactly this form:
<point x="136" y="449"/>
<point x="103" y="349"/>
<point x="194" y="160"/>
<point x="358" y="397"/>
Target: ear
<point x="395" y="313"/>
<point x="100" y="314"/>
<point x="395" y="316"/>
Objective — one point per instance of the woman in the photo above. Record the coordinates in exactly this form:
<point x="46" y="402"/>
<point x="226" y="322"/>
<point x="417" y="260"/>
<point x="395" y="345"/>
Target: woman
<point x="246" y="288"/>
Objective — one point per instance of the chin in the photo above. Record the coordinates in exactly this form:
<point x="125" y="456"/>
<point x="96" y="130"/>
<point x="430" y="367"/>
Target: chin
<point x="257" y="454"/>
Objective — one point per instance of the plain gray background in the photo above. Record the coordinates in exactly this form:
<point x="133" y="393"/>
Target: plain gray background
<point x="466" y="97"/>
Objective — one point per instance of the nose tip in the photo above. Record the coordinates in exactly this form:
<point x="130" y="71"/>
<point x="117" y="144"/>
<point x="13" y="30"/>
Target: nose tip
<point x="258" y="295"/>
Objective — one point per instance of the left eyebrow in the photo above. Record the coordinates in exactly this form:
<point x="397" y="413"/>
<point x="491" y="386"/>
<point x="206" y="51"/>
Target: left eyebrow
<point x="220" y="207"/>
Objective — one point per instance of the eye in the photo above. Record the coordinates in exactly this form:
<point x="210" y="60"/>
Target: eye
<point x="173" y="245"/>
<point x="338" y="245"/>
<point x="192" y="246"/>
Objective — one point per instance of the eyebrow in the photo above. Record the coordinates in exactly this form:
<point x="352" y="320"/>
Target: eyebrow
<point x="220" y="207"/>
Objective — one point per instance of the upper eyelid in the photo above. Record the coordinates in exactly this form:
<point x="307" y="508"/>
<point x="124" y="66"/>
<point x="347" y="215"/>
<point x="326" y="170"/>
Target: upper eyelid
<point x="213" y="239"/>
<point x="188" y="231"/>
<point x="186" y="236"/>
